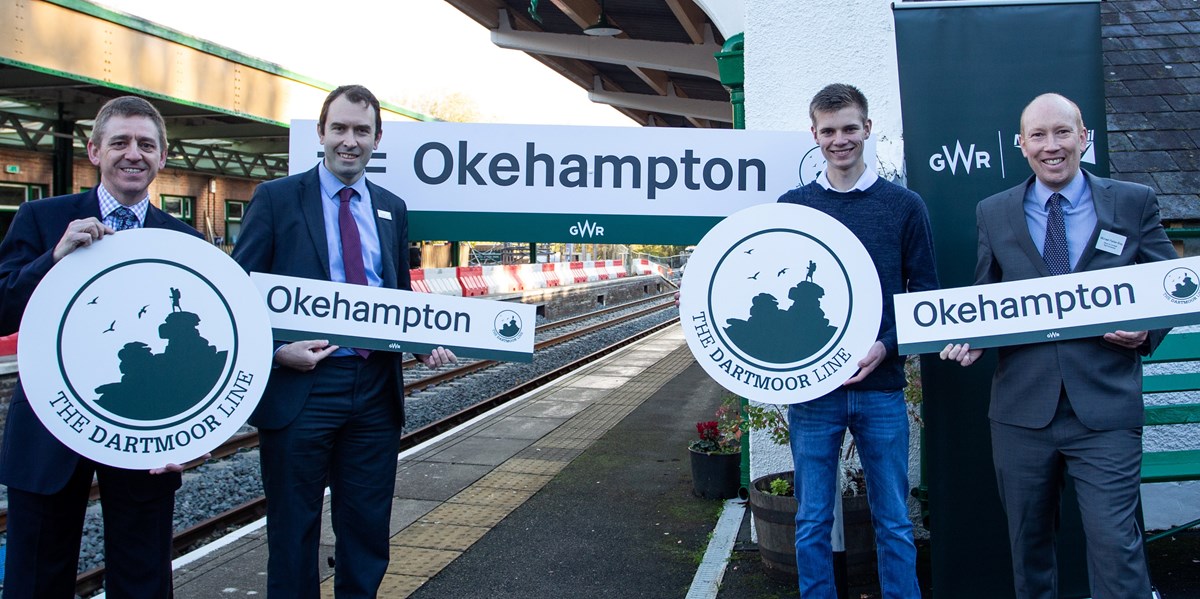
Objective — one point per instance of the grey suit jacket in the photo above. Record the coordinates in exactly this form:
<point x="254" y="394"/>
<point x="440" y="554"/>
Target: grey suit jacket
<point x="1103" y="381"/>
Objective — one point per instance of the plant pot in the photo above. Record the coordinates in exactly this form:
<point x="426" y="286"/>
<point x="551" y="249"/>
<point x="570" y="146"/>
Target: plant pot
<point x="716" y="475"/>
<point x="775" y="522"/>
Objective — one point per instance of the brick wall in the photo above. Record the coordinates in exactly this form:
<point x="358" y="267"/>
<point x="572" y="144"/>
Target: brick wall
<point x="209" y="191"/>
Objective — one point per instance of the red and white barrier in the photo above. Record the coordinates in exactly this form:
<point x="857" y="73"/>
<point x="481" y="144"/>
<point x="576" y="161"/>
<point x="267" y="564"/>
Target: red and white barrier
<point x="578" y="274"/>
<point x="531" y="276"/>
<point x="417" y="277"/>
<point x="602" y="270"/>
<point x="593" y="274"/>
<point x="512" y="278"/>
<point x="618" y="268"/>
<point x="471" y="280"/>
<point x="443" y="281"/>
<point x="550" y="274"/>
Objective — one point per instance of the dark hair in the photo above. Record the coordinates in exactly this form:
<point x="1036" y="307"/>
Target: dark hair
<point x="356" y="94"/>
<point x="835" y="97"/>
<point x="128" y="106"/>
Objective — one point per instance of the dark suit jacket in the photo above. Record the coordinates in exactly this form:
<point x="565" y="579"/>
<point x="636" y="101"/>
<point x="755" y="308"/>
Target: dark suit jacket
<point x="1103" y="381"/>
<point x="283" y="233"/>
<point x="32" y="459"/>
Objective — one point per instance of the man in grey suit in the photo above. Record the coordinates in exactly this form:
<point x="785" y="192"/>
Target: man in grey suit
<point x="1068" y="408"/>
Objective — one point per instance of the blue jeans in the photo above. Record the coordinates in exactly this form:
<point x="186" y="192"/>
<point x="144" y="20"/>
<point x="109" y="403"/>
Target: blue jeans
<point x="879" y="422"/>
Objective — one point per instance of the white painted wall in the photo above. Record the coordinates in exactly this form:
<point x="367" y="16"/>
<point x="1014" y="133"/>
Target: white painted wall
<point x="792" y="51"/>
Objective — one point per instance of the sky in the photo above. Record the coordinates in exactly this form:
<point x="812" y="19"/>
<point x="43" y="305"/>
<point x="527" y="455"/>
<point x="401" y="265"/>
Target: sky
<point x="400" y="49"/>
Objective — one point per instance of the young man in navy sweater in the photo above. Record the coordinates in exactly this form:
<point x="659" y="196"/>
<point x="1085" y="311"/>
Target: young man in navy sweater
<point x="893" y="224"/>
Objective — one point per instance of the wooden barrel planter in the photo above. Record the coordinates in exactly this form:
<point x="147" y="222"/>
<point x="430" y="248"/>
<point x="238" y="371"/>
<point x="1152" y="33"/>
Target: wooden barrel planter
<point x="775" y="523"/>
<point x="716" y="475"/>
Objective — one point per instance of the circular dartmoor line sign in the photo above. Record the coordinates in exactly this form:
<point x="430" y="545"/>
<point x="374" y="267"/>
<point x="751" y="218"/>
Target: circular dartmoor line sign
<point x="780" y="303"/>
<point x="147" y="348"/>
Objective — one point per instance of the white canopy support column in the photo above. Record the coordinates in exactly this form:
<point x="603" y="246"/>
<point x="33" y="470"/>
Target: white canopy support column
<point x="690" y="59"/>
<point x="668" y="104"/>
<point x="728" y="15"/>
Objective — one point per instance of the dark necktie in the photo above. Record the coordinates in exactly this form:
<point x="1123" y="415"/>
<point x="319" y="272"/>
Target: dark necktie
<point x="352" y="261"/>
<point x="123" y="218"/>
<point x="1054" y="250"/>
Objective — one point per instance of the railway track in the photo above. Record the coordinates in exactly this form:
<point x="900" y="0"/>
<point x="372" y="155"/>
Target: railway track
<point x="249" y="440"/>
<point x="91" y="581"/>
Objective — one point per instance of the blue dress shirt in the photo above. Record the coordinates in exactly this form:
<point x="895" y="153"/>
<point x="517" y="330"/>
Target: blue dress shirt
<point x="1079" y="214"/>
<point x="108" y="203"/>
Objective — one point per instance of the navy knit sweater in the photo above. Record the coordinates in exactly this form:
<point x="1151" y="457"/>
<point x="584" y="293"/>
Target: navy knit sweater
<point x="893" y="224"/>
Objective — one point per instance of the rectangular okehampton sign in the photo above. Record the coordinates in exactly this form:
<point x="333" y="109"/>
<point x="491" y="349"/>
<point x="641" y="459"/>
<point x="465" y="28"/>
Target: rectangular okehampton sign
<point x="382" y="319"/>
<point x="470" y="181"/>
<point x="1086" y="304"/>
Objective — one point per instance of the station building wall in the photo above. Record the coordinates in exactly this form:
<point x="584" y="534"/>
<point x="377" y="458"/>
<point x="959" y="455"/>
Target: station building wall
<point x="208" y="202"/>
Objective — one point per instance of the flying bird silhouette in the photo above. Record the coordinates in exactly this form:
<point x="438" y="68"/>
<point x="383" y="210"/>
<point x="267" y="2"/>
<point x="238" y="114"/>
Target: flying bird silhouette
<point x="749" y="251"/>
<point x="755" y="277"/>
<point x="143" y="310"/>
<point x="112" y="327"/>
<point x="780" y="273"/>
<point x="93" y="300"/>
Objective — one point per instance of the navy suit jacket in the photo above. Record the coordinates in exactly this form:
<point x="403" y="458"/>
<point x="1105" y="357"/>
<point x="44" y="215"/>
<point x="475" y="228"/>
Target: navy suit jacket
<point x="283" y="233"/>
<point x="32" y="459"/>
<point x="1103" y="381"/>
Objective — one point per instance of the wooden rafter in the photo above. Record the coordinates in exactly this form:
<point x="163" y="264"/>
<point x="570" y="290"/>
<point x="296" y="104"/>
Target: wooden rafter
<point x="691" y="17"/>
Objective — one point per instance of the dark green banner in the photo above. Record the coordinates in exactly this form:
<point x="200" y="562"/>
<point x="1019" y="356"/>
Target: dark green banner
<point x="967" y="69"/>
<point x="579" y="228"/>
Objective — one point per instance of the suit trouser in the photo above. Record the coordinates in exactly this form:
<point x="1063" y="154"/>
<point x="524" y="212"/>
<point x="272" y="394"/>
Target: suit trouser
<point x="44" y="533"/>
<point x="346" y="436"/>
<point x="1106" y="468"/>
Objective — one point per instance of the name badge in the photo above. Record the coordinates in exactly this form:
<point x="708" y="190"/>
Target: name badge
<point x="384" y="214"/>
<point x="1110" y="242"/>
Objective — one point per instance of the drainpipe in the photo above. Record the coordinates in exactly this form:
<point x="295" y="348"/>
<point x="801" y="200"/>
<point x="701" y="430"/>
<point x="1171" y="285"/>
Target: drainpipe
<point x="731" y="63"/>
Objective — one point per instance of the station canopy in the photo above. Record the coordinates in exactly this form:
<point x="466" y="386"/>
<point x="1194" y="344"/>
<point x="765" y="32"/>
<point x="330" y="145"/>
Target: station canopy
<point x="655" y="65"/>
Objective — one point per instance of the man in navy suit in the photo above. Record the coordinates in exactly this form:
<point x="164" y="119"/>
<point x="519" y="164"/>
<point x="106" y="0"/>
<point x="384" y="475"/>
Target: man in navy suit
<point x="48" y="484"/>
<point x="1068" y="408"/>
<point x="330" y="415"/>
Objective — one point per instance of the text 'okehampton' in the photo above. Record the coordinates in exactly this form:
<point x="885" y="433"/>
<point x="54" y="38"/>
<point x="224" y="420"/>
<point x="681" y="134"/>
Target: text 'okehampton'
<point x="435" y="163"/>
<point x="281" y="300"/>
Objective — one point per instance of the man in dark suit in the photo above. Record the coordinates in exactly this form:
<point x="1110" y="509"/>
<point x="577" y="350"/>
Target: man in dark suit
<point x="1068" y="408"/>
<point x="331" y="415"/>
<point x="48" y="484"/>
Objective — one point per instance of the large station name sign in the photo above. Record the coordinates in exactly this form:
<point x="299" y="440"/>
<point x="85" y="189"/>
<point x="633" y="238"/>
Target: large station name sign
<point x="582" y="184"/>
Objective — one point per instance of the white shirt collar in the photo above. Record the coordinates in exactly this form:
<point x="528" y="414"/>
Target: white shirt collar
<point x="865" y="181"/>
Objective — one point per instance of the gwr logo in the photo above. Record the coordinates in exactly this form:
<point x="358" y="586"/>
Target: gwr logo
<point x="586" y="229"/>
<point x="967" y="159"/>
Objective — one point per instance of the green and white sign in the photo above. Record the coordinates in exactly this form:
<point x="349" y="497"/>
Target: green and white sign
<point x="1156" y="295"/>
<point x="382" y="319"/>
<point x="147" y="348"/>
<point x="577" y="184"/>
<point x="779" y="303"/>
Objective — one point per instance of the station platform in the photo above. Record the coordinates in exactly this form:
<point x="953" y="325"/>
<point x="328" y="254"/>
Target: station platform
<point x="581" y="488"/>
